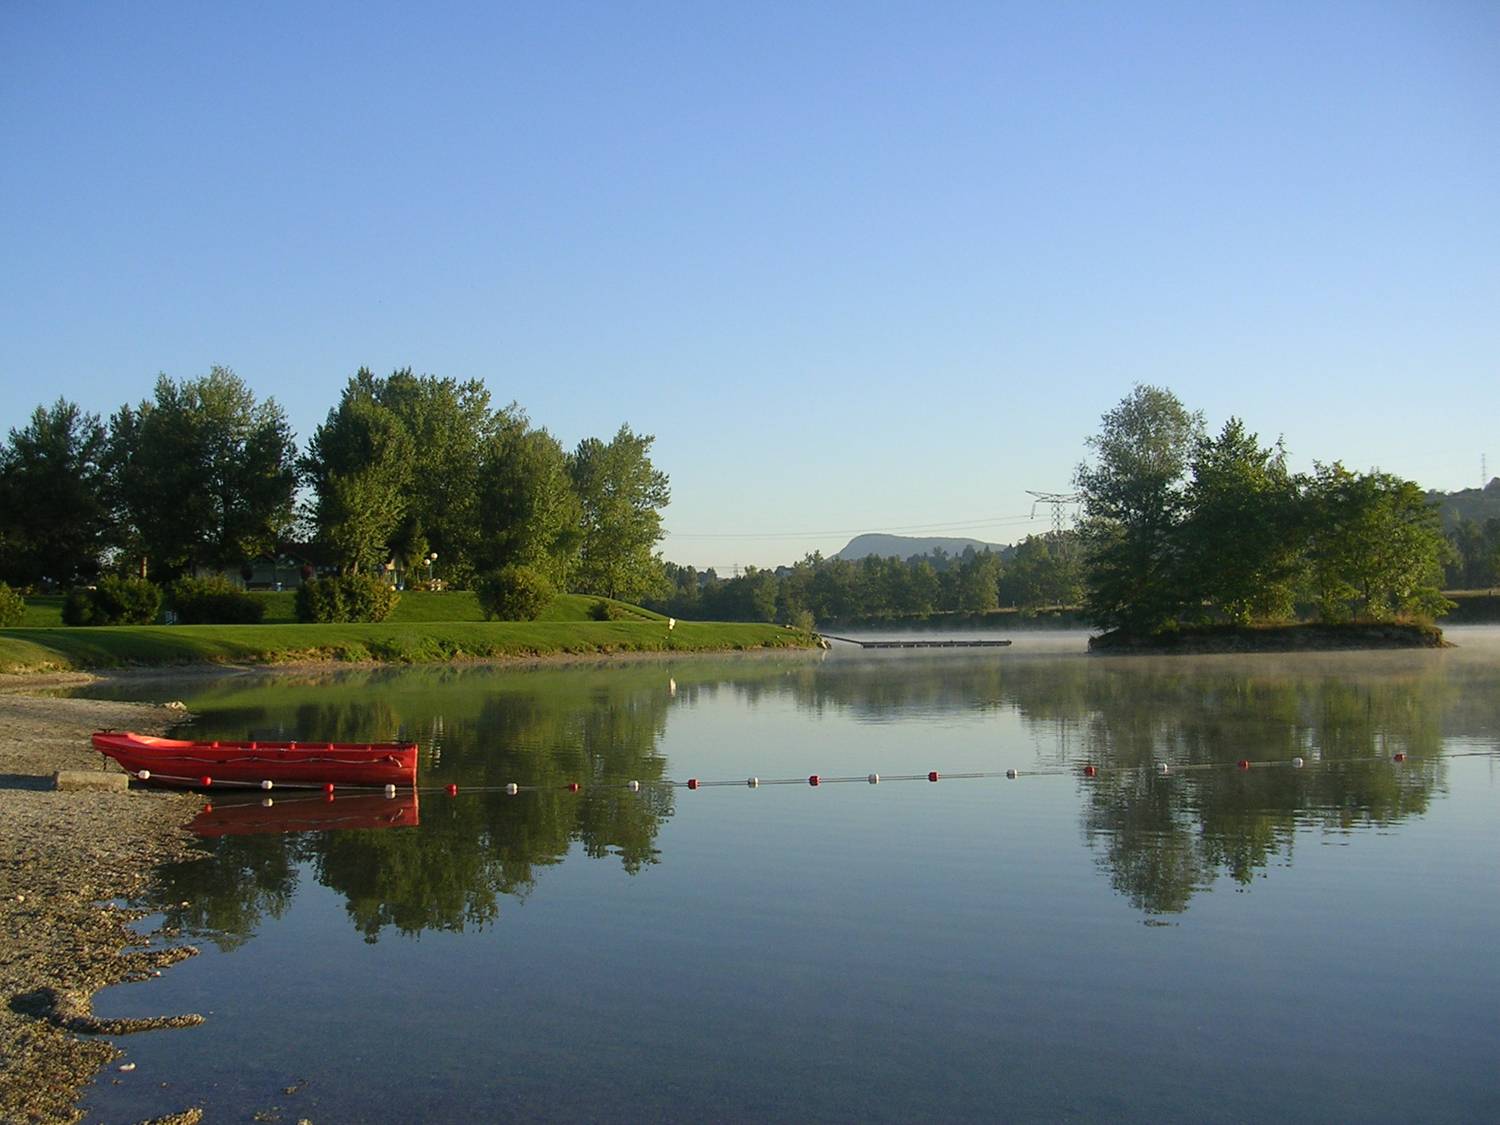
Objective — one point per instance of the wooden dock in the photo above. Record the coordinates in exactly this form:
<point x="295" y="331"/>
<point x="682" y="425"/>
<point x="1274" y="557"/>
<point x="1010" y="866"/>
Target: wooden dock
<point x="918" y="644"/>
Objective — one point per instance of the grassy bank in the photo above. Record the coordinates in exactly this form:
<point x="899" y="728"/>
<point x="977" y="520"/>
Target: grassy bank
<point x="43" y="610"/>
<point x="393" y="642"/>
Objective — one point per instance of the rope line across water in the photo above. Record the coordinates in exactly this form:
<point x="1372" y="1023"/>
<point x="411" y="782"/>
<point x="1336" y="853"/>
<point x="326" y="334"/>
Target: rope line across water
<point x="1085" y="772"/>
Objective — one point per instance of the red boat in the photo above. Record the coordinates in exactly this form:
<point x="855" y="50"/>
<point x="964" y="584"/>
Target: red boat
<point x="264" y="765"/>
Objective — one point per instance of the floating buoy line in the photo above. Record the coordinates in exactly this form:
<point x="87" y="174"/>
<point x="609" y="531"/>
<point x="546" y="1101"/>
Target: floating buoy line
<point x="1086" y="771"/>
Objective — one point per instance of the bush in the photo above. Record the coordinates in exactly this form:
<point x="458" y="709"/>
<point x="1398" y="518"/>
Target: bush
<point x="114" y="601"/>
<point x="214" y="601"/>
<point x="605" y="610"/>
<point x="78" y="607"/>
<point x="513" y="593"/>
<point x="12" y="607"/>
<point x="347" y="597"/>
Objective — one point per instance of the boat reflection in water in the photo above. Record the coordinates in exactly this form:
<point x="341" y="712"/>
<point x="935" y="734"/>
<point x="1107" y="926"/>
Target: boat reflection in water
<point x="306" y="812"/>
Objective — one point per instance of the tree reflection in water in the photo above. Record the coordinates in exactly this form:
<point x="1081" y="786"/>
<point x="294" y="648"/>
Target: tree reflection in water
<point x="1161" y="838"/>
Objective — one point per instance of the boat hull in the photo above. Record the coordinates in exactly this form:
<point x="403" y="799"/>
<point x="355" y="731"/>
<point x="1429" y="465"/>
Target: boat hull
<point x="170" y="761"/>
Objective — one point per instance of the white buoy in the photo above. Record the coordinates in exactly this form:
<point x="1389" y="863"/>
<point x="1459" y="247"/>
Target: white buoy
<point x="266" y="784"/>
<point x="267" y="802"/>
<point x="1012" y="773"/>
<point x="512" y="788"/>
<point x="390" y="790"/>
<point x="633" y="786"/>
<point x="144" y="775"/>
<point x="873" y="779"/>
<point x="1297" y="763"/>
<point x="753" y="782"/>
<point x="1163" y="768"/>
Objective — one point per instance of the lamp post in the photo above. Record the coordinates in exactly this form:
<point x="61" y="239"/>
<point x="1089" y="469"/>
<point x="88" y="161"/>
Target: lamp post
<point x="431" y="558"/>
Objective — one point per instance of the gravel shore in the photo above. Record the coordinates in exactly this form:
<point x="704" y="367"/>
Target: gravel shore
<point x="64" y="858"/>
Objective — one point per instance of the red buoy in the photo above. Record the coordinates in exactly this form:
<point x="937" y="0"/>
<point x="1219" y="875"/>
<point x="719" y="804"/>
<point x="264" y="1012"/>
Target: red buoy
<point x="1243" y="763"/>
<point x="815" y="780"/>
<point x="1398" y="756"/>
<point x="205" y="781"/>
<point x="572" y="787"/>
<point x="1089" y="771"/>
<point x="328" y="787"/>
<point x="452" y="790"/>
<point x="692" y="783"/>
<point x="208" y="807"/>
<point x="933" y="776"/>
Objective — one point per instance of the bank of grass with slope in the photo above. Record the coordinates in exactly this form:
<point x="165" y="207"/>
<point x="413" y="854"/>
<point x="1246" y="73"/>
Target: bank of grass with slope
<point x="448" y="626"/>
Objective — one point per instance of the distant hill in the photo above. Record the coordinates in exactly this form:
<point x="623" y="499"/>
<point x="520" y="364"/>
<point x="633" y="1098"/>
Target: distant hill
<point x="904" y="547"/>
<point x="1477" y="504"/>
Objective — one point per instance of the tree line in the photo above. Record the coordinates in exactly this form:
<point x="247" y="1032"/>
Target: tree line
<point x="1041" y="571"/>
<point x="407" y="471"/>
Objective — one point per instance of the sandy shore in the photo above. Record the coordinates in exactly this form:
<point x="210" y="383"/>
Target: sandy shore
<point x="63" y="857"/>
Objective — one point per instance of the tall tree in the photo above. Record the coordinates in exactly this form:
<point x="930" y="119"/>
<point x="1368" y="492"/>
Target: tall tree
<point x="53" y="516"/>
<point x="1044" y="571"/>
<point x="359" y="463"/>
<point x="449" y="423"/>
<point x="1374" y="548"/>
<point x="1241" y="550"/>
<point x="622" y="495"/>
<point x="528" y="513"/>
<point x="202" y="473"/>
<point x="977" y="585"/>
<point x="1133" y="500"/>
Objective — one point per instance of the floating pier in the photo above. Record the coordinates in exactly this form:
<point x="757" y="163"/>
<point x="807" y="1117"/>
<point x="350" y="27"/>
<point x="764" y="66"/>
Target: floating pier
<point x="917" y="644"/>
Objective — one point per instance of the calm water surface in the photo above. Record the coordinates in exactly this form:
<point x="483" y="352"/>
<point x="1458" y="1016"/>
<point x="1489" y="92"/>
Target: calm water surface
<point x="1213" y="944"/>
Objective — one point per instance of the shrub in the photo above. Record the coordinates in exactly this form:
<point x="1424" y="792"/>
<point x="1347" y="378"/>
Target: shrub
<point x="513" y="593"/>
<point x="347" y="597"/>
<point x="12" y="607"/>
<point x="605" y="610"/>
<point x="114" y="601"/>
<point x="78" y="607"/>
<point x="214" y="601"/>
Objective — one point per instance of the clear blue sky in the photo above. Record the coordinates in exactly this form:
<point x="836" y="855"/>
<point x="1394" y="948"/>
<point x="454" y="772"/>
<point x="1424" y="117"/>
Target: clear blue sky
<point x="857" y="266"/>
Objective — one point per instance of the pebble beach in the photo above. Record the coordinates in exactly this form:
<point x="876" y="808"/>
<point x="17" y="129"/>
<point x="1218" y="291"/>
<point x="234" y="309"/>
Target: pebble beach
<point x="68" y="858"/>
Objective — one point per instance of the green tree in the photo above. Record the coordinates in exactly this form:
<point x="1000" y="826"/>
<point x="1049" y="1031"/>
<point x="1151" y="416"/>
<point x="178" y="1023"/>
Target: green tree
<point x="450" y="424"/>
<point x="1134" y="501"/>
<point x="622" y="495"/>
<point x="203" y="474"/>
<point x="977" y="585"/>
<point x="359" y="463"/>
<point x="529" y="516"/>
<point x="1374" y="547"/>
<point x="1240" y="540"/>
<point x="53" y="516"/>
<point x="1046" y="570"/>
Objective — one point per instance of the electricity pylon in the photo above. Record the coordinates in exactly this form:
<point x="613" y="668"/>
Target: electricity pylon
<point x="1058" y="500"/>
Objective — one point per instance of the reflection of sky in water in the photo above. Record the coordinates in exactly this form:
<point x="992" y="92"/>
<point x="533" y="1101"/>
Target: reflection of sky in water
<point x="969" y="949"/>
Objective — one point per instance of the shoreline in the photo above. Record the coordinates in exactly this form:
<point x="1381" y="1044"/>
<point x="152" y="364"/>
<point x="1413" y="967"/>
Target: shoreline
<point x="66" y="858"/>
<point x="1303" y="637"/>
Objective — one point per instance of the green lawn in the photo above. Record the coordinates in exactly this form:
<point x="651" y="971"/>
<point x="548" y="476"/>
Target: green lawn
<point x="32" y="649"/>
<point x="43" y="610"/>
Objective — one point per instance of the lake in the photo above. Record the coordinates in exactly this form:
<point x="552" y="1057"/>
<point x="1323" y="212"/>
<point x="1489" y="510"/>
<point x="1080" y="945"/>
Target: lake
<point x="1205" y="943"/>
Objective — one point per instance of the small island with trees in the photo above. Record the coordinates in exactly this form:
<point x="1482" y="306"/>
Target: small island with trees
<point x="1207" y="542"/>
